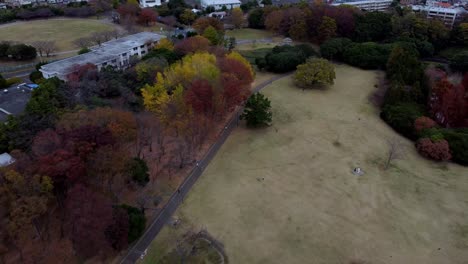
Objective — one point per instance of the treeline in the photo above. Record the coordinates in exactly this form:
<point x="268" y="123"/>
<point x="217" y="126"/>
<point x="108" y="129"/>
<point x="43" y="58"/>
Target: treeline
<point x="81" y="9"/>
<point x="17" y="51"/>
<point x="318" y="23"/>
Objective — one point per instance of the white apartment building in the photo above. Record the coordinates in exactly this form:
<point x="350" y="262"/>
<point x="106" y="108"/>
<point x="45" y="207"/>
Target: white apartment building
<point x="449" y="15"/>
<point x="115" y="53"/>
<point x="218" y="4"/>
<point x="149" y="3"/>
<point x="368" y="5"/>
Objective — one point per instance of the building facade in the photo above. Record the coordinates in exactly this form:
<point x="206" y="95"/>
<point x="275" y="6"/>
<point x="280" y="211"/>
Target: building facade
<point x="218" y="4"/>
<point x="116" y="53"/>
<point x="449" y="15"/>
<point x="368" y="5"/>
<point x="149" y="3"/>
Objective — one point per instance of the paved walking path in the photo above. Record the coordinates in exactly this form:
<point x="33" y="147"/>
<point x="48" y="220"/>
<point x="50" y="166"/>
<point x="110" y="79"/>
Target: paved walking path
<point x="177" y="197"/>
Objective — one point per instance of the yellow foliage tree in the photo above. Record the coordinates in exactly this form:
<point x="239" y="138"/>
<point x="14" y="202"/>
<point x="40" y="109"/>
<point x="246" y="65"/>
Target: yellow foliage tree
<point x="155" y="97"/>
<point x="165" y="44"/>
<point x="198" y="65"/>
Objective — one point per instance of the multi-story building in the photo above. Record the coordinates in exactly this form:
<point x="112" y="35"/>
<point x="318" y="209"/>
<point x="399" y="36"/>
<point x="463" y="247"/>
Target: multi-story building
<point x="368" y="5"/>
<point x="448" y="14"/>
<point x="149" y="3"/>
<point x="218" y="4"/>
<point x="116" y="53"/>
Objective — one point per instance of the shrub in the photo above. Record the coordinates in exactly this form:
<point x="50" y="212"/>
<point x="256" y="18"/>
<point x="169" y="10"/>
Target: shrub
<point x="257" y="111"/>
<point x="36" y="76"/>
<point x="334" y="48"/>
<point x="168" y="55"/>
<point x="3" y="82"/>
<point x="459" y="62"/>
<point x="136" y="221"/>
<point x="11" y="81"/>
<point x="314" y="73"/>
<point x="401" y="117"/>
<point x="22" y="52"/>
<point x="286" y="58"/>
<point x="436" y="150"/>
<point x="422" y="123"/>
<point x="138" y="170"/>
<point x="83" y="51"/>
<point x="457" y="139"/>
<point x="369" y="55"/>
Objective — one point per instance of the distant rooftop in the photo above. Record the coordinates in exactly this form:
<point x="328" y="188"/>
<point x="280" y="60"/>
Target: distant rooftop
<point x="107" y="51"/>
<point x="452" y="9"/>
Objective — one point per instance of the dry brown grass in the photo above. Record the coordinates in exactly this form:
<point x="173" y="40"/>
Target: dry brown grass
<point x="310" y="208"/>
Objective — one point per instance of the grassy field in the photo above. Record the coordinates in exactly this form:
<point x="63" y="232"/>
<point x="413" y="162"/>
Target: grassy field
<point x="249" y="33"/>
<point x="286" y="194"/>
<point x="63" y="31"/>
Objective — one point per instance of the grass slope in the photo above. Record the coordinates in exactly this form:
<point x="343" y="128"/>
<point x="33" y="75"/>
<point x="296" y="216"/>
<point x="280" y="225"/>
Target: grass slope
<point x="310" y="208"/>
<point x="63" y="31"/>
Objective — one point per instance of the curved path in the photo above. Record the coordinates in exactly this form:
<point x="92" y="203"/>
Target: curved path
<point x="138" y="249"/>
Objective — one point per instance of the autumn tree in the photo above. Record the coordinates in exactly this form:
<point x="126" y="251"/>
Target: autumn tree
<point x="147" y="16"/>
<point x="273" y="20"/>
<point x="202" y="23"/>
<point x="447" y="104"/>
<point x="89" y="214"/>
<point x="192" y="45"/>
<point x="212" y="35"/>
<point x="117" y="232"/>
<point x="434" y="149"/>
<point x="187" y="17"/>
<point x="200" y="97"/>
<point x="314" y="73"/>
<point x="237" y="17"/>
<point x="257" y="111"/>
<point x="327" y="29"/>
<point x="165" y="43"/>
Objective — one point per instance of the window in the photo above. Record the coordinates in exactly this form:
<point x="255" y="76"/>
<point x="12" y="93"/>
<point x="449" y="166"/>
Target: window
<point x="143" y="52"/>
<point x="125" y="54"/>
<point x="142" y="46"/>
<point x="104" y="64"/>
<point x="135" y="48"/>
<point x="114" y="61"/>
<point x="148" y="45"/>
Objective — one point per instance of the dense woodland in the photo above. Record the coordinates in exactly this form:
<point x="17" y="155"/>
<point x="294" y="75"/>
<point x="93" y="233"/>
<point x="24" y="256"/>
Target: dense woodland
<point x="98" y="139"/>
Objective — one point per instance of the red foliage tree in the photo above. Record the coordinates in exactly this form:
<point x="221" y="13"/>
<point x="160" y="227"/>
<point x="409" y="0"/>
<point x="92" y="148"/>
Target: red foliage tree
<point x="234" y="93"/>
<point x="344" y="17"/>
<point x="46" y="142"/>
<point x="439" y="150"/>
<point x="147" y="16"/>
<point x="422" y="123"/>
<point x="117" y="232"/>
<point x="447" y="103"/>
<point x="128" y="10"/>
<point x="63" y="166"/>
<point x="193" y="44"/>
<point x="200" y="96"/>
<point x="88" y="216"/>
<point x="236" y="68"/>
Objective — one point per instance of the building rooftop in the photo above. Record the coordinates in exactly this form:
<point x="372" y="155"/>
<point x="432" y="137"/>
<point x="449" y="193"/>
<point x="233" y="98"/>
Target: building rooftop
<point x="455" y="10"/>
<point x="221" y="2"/>
<point x="107" y="51"/>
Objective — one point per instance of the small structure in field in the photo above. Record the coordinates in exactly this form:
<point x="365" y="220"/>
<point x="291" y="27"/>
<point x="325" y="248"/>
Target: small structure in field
<point x="6" y="159"/>
<point x="358" y="171"/>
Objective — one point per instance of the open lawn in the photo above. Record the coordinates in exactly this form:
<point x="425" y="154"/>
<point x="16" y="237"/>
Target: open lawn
<point x="63" y="31"/>
<point x="286" y="194"/>
<point x="249" y="33"/>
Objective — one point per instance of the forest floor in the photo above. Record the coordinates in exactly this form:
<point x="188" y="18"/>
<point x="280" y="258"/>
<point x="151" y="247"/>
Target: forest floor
<point x="286" y="193"/>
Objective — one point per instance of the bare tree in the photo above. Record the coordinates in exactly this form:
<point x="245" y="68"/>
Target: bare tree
<point x="107" y="35"/>
<point x="49" y="47"/>
<point x="82" y="42"/>
<point x="395" y="151"/>
<point x="39" y="45"/>
<point x="97" y="38"/>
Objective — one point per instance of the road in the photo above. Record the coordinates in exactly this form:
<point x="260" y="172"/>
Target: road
<point x="178" y="196"/>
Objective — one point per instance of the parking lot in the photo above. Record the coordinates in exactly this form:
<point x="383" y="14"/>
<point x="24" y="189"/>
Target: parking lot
<point x="13" y="101"/>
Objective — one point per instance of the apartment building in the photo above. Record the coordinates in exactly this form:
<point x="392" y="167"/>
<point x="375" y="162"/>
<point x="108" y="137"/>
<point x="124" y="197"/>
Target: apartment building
<point x="218" y="4"/>
<point x="149" y="3"/>
<point x="116" y="53"/>
<point x="368" y="5"/>
<point x="449" y="14"/>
